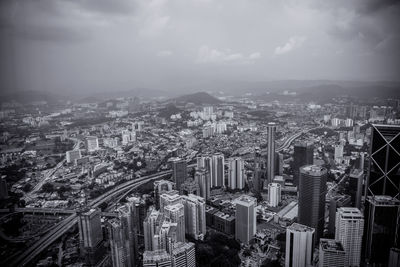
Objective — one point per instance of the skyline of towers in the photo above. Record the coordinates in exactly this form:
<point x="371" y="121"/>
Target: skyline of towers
<point x="312" y="191"/>
<point x="245" y="224"/>
<point x="299" y="246"/>
<point x="271" y="152"/>
<point x="303" y="155"/>
<point x="349" y="231"/>
<point x="236" y="175"/>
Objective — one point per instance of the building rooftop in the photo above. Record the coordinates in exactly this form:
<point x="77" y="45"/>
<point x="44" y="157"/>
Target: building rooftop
<point x="313" y="170"/>
<point x="300" y="228"/>
<point x="331" y="245"/>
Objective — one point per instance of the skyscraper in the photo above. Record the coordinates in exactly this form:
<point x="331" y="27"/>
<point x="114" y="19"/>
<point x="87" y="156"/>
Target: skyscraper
<point x="349" y="231"/>
<point x="90" y="235"/>
<point x="331" y="253"/>
<point x="356" y="178"/>
<point x="303" y="155"/>
<point x="336" y="202"/>
<point x="179" y="171"/>
<point x="236" y="173"/>
<point x="384" y="176"/>
<point x="381" y="213"/>
<point x="218" y="179"/>
<point x="169" y="198"/>
<point x="299" y="246"/>
<point x="312" y="191"/>
<point x="153" y="220"/>
<point x="245" y="224"/>
<point x="195" y="216"/>
<point x="160" y="187"/>
<point x="274" y="194"/>
<point x="271" y="152"/>
<point x="176" y="213"/>
<point x="381" y="233"/>
<point x="201" y="176"/>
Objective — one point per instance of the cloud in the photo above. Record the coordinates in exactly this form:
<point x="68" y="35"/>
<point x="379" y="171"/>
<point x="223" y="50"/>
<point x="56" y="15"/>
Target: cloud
<point x="208" y="55"/>
<point x="164" y="53"/>
<point x="293" y="43"/>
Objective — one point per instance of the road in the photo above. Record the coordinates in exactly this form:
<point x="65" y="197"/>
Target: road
<point x="290" y="140"/>
<point x="49" y="173"/>
<point x="50" y="237"/>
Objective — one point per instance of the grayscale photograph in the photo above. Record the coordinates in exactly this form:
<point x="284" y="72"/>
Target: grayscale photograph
<point x="200" y="133"/>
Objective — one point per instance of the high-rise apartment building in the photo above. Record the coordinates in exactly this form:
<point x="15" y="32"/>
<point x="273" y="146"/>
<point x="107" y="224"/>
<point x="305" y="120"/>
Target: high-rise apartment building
<point x="274" y="194"/>
<point x="331" y="253"/>
<point x="202" y="177"/>
<point x="299" y="246"/>
<point x="176" y="213"/>
<point x="218" y="177"/>
<point x="303" y="155"/>
<point x="150" y="226"/>
<point x="245" y="224"/>
<point x="236" y="175"/>
<point x="179" y="171"/>
<point x="184" y="255"/>
<point x="161" y="187"/>
<point x="169" y="198"/>
<point x="157" y="258"/>
<point x="312" y="191"/>
<point x="195" y="216"/>
<point x="349" y="231"/>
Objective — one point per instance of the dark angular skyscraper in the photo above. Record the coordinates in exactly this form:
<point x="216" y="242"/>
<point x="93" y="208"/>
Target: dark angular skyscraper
<point x="303" y="155"/>
<point x="312" y="191"/>
<point x="384" y="176"/>
<point x="382" y="194"/>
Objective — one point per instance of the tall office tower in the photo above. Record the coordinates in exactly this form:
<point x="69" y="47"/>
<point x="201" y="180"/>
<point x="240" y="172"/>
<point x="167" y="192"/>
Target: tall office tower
<point x="179" y="171"/>
<point x="381" y="233"/>
<point x="338" y="153"/>
<point x="271" y="152"/>
<point x="195" y="216"/>
<point x="190" y="186"/>
<point x="202" y="177"/>
<point x="245" y="224"/>
<point x="335" y="203"/>
<point x="278" y="163"/>
<point x="383" y="181"/>
<point x="236" y="173"/>
<point x="349" y="231"/>
<point x="312" y="190"/>
<point x="160" y="187"/>
<point x="90" y="235"/>
<point x="169" y="198"/>
<point x="384" y="176"/>
<point x="157" y="258"/>
<point x="303" y="155"/>
<point x="176" y="213"/>
<point x="356" y="178"/>
<point x="274" y="194"/>
<point x="394" y="257"/>
<point x="184" y="255"/>
<point x="258" y="178"/>
<point x="150" y="225"/>
<point x="72" y="155"/>
<point x="299" y="246"/>
<point x="331" y="253"/>
<point x="218" y="162"/>
<point x="92" y="143"/>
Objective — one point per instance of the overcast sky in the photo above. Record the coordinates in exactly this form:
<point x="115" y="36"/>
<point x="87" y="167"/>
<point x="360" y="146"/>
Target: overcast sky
<point x="78" y="45"/>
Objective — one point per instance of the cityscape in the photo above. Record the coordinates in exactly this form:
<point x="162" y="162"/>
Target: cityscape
<point x="106" y="160"/>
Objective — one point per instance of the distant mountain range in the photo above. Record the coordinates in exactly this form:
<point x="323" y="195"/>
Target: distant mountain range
<point x="197" y="99"/>
<point x="321" y="91"/>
